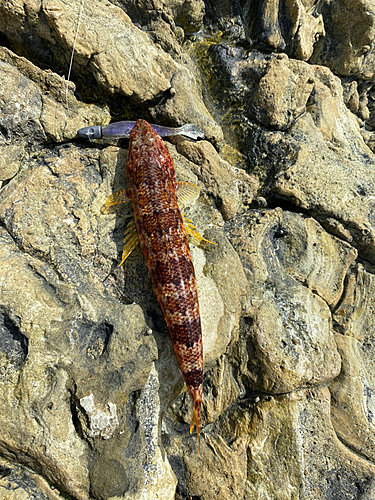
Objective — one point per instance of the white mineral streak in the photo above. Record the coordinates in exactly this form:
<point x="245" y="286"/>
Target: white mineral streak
<point x="160" y="481"/>
<point x="101" y="423"/>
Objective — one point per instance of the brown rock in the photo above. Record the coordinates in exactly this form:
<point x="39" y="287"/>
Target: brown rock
<point x="346" y="48"/>
<point x="352" y="392"/>
<point x="185" y="105"/>
<point x="286" y="335"/>
<point x="317" y="155"/>
<point x="296" y="431"/>
<point x="35" y="108"/>
<point x="303" y="177"/>
<point x="290" y="26"/>
<point x="92" y="402"/>
<point x="119" y="55"/>
<point x="297" y="426"/>
<point x="224" y="182"/>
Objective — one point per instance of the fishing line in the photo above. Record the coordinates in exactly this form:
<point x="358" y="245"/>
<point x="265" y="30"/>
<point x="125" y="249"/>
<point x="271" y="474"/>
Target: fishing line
<point x="72" y="56"/>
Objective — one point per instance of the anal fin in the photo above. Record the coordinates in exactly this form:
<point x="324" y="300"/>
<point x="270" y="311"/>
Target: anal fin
<point x="187" y="193"/>
<point x="195" y="236"/>
<point x="131" y="241"/>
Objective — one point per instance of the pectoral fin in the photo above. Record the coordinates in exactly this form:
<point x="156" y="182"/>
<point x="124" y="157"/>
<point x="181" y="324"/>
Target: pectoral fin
<point x="115" y="199"/>
<point x="187" y="193"/>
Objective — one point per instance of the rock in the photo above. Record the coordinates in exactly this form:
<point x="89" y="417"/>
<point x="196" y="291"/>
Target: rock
<point x="36" y="110"/>
<point x="351" y="96"/>
<point x="314" y="180"/>
<point x="286" y="331"/>
<point x="281" y="345"/>
<point x="114" y="57"/>
<point x="346" y="48"/>
<point x="76" y="321"/>
<point x="293" y="27"/>
<point x="296" y="426"/>
<point x="18" y="483"/>
<point x="208" y="475"/>
<point x="312" y="133"/>
<point x="101" y="422"/>
<point x="10" y="163"/>
<point x="166" y="20"/>
<point x="108" y="479"/>
<point x="353" y="397"/>
<point x="228" y="185"/>
<point x="252" y="90"/>
<point x="42" y="442"/>
<point x="295" y="429"/>
<point x="189" y="14"/>
<point x="185" y="105"/>
<point x="53" y="382"/>
<point x="92" y="401"/>
<point x="160" y="482"/>
<point x="119" y="55"/>
<point x="353" y="391"/>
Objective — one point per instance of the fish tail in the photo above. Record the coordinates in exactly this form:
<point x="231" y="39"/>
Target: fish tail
<point x="196" y="421"/>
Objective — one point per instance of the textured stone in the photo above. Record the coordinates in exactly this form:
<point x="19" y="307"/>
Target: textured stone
<point x="287" y="326"/>
<point x="350" y="30"/>
<point x="119" y="55"/>
<point x="160" y="482"/>
<point x="40" y="360"/>
<point x="353" y="405"/>
<point x="253" y="90"/>
<point x="112" y="56"/>
<point x="349" y="179"/>
<point x="10" y="160"/>
<point x="185" y="105"/>
<point x="18" y="483"/>
<point x="101" y="422"/>
<point x="230" y="186"/>
<point x="291" y="26"/>
<point x="296" y="431"/>
<point x="208" y="476"/>
<point x="92" y="401"/>
<point x="297" y="426"/>
<point x="35" y="109"/>
<point x="316" y="159"/>
<point x="285" y="339"/>
<point x="71" y="342"/>
<point x="108" y="479"/>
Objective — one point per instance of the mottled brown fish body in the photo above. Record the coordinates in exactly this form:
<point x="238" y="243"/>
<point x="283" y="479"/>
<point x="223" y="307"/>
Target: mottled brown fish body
<point x="152" y="188"/>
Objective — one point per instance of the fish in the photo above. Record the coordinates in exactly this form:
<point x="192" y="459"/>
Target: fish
<point x="161" y="231"/>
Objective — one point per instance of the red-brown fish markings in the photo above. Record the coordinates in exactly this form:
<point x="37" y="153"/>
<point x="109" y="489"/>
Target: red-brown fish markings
<point x="162" y="237"/>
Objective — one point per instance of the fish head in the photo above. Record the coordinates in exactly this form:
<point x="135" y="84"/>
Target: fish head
<point x="146" y="146"/>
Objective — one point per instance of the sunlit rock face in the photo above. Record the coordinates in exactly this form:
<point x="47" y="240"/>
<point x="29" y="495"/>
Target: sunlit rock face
<point x="92" y="401"/>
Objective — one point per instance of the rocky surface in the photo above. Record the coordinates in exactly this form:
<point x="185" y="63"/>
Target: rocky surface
<point x="92" y="402"/>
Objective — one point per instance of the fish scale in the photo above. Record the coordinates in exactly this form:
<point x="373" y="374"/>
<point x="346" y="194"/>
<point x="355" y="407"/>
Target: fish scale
<point x="162" y="237"/>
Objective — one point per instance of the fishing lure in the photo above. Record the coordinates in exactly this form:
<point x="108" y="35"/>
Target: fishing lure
<point x="161" y="230"/>
<point x="118" y="130"/>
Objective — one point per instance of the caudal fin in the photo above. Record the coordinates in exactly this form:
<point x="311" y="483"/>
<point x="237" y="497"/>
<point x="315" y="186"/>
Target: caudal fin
<point x="196" y="420"/>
